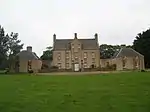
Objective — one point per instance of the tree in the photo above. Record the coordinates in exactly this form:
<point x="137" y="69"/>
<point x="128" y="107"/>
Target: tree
<point x="48" y="54"/>
<point x="9" y="47"/>
<point x="3" y="48"/>
<point x="108" y="51"/>
<point x="142" y="45"/>
<point x="14" y="46"/>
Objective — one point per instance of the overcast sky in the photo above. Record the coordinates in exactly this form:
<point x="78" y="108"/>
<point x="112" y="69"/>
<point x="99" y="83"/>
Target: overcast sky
<point x="116" y="21"/>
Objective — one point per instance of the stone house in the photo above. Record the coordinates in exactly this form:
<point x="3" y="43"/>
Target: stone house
<point x="26" y="60"/>
<point x="125" y="59"/>
<point x="76" y="54"/>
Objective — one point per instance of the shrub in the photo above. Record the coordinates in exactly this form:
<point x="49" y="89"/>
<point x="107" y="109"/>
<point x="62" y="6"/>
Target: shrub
<point x="108" y="68"/>
<point x="54" y="67"/>
<point x="30" y="71"/>
<point x="44" y="66"/>
<point x="143" y="70"/>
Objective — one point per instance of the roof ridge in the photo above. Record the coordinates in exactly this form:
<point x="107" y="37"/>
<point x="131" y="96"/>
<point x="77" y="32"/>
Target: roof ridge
<point x="136" y="52"/>
<point x="119" y="52"/>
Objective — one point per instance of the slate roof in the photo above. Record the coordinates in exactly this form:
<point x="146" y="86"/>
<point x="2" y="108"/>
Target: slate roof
<point x="87" y="44"/>
<point x="27" y="55"/>
<point x="128" y="52"/>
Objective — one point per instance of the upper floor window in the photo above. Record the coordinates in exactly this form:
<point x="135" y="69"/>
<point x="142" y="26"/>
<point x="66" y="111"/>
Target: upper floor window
<point x="93" y="60"/>
<point x="72" y="46"/>
<point x="79" y="46"/>
<point x="85" y="59"/>
<point x="67" y="65"/>
<point x="67" y="59"/>
<point x="59" y="56"/>
<point x="67" y="54"/>
<point x="59" y="65"/>
<point x="85" y="54"/>
<point x="85" y="65"/>
<point x="76" y="54"/>
<point x="93" y="55"/>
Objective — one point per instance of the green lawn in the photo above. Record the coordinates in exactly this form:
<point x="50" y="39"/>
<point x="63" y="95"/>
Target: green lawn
<point x="120" y="92"/>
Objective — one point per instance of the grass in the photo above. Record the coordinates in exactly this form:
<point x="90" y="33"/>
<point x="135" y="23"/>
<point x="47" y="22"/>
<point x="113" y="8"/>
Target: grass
<point x="120" y="92"/>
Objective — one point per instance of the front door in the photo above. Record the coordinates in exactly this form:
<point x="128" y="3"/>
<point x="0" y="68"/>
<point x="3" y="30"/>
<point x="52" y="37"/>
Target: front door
<point x="76" y="67"/>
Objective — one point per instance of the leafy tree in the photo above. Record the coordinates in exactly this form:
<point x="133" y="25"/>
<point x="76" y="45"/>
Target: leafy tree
<point x="3" y="48"/>
<point x="107" y="51"/>
<point x="48" y="54"/>
<point x="14" y="46"/>
<point x="9" y="47"/>
<point x="142" y="45"/>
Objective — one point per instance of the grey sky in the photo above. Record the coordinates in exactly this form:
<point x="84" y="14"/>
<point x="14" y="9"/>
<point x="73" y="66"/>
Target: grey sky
<point x="116" y="21"/>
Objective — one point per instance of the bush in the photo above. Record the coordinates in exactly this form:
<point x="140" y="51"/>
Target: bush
<point x="30" y="71"/>
<point x="108" y="68"/>
<point x="143" y="70"/>
<point x="54" y="67"/>
<point x="44" y="66"/>
<point x="6" y="70"/>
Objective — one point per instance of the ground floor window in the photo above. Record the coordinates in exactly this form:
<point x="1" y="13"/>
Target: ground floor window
<point x="29" y="65"/>
<point x="67" y="65"/>
<point x="85" y="65"/>
<point x="59" y="65"/>
<point x="124" y="60"/>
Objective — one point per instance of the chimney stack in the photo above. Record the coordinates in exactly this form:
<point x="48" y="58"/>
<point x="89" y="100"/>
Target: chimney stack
<point x="75" y="35"/>
<point x="54" y="37"/>
<point x="29" y="48"/>
<point x="96" y="36"/>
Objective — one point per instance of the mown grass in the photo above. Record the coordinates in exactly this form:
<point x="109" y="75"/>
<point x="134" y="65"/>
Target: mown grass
<point x="120" y="92"/>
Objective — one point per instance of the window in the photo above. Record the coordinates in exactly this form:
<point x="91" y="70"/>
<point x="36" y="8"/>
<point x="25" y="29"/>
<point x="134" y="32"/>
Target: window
<point x="124" y="62"/>
<point x="76" y="59"/>
<point x="67" y="54"/>
<point x="29" y="65"/>
<point x="72" y="46"/>
<point x="136" y="62"/>
<point x="67" y="65"/>
<point x="67" y="59"/>
<point x="79" y="46"/>
<point x="85" y="65"/>
<point x="85" y="55"/>
<point x="107" y="64"/>
<point x="59" y="56"/>
<point x="85" y="59"/>
<point x="59" y="65"/>
<point x="93" y="60"/>
<point x="93" y="55"/>
<point x="76" y="54"/>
